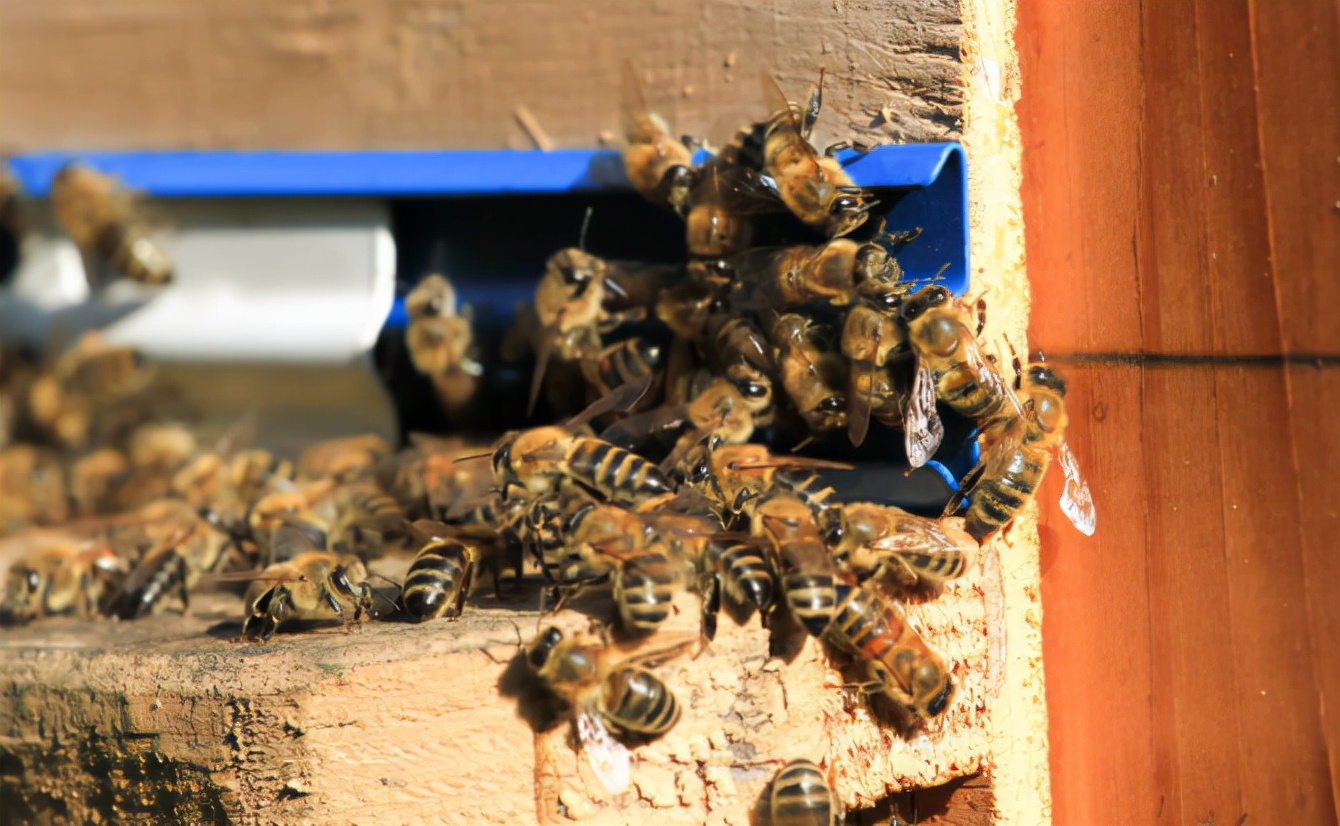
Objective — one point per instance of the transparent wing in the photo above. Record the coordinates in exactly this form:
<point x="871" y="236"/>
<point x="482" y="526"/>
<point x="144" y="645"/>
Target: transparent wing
<point x="989" y="377"/>
<point x="608" y="758"/>
<point x="1076" y="500"/>
<point x="921" y="424"/>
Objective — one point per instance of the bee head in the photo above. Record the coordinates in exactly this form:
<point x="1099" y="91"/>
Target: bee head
<point x="543" y="647"/>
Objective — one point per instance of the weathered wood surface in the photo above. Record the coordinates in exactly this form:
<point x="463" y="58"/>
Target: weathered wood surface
<point x="354" y="74"/>
<point x="173" y="717"/>
<point x="1181" y="185"/>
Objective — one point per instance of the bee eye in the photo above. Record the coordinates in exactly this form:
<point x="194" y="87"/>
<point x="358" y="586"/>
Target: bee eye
<point x="34" y="581"/>
<point x="832" y="404"/>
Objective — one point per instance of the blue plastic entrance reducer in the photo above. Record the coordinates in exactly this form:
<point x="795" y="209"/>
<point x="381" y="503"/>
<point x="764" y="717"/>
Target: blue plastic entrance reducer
<point x="925" y="184"/>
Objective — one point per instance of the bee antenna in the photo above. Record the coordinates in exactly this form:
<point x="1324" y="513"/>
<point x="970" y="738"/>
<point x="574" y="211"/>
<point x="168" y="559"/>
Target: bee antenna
<point x="586" y="224"/>
<point x="471" y="457"/>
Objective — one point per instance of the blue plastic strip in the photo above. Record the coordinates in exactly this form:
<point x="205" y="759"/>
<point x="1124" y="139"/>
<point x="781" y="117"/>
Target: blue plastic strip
<point x="931" y="178"/>
<point x="376" y="174"/>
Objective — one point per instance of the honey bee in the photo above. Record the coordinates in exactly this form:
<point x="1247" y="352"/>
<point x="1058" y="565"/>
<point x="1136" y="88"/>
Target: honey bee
<point x="343" y="460"/>
<point x="951" y="367"/>
<point x="723" y="203"/>
<point x="85" y="381"/>
<point x="95" y="481"/>
<point x="614" y="702"/>
<point x="721" y="409"/>
<point x="744" y="358"/>
<point x="809" y="576"/>
<point x="897" y="660"/>
<point x="102" y="219"/>
<point x="686" y="305"/>
<point x="730" y="476"/>
<point x="814" y="187"/>
<point x="64" y="579"/>
<point x="541" y="459"/>
<point x="443" y="572"/>
<point x="33" y="486"/>
<point x="365" y="522"/>
<point x="812" y="374"/>
<point x="634" y="360"/>
<point x="312" y="585"/>
<point x="306" y="507"/>
<point x="839" y="274"/>
<point x="874" y="540"/>
<point x="606" y="542"/>
<point x="742" y="575"/>
<point x="871" y="340"/>
<point x="1019" y="450"/>
<point x="800" y="796"/>
<point x="441" y="342"/>
<point x="178" y="547"/>
<point x="575" y="304"/>
<point x="659" y="166"/>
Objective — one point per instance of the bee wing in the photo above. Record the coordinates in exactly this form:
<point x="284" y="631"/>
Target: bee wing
<point x="791" y="462"/>
<point x="633" y="105"/>
<point x="777" y="101"/>
<point x="989" y="376"/>
<point x="1076" y="500"/>
<point x="289" y="540"/>
<point x="954" y="506"/>
<point x="608" y="758"/>
<point x="860" y="399"/>
<point x="430" y="529"/>
<point x="621" y="398"/>
<point x="544" y="348"/>
<point x="921" y="424"/>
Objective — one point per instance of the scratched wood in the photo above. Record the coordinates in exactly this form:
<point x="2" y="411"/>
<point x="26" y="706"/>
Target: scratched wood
<point x="1181" y="185"/>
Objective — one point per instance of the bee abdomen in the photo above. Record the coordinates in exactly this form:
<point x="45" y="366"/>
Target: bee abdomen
<point x="619" y="474"/>
<point x="801" y="797"/>
<point x="643" y="591"/>
<point x="996" y="501"/>
<point x="637" y="703"/>
<point x="748" y="576"/>
<point x="812" y="598"/>
<point x="437" y="580"/>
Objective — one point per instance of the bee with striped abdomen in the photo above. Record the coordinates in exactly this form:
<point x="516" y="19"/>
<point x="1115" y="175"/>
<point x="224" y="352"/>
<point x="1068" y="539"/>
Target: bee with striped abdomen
<point x="873" y="540"/>
<point x="1018" y="453"/>
<point x="443" y="572"/>
<point x="951" y="368"/>
<point x="659" y="166"/>
<point x="311" y="585"/>
<point x="800" y="796"/>
<point x="614" y="701"/>
<point x="897" y="660"/>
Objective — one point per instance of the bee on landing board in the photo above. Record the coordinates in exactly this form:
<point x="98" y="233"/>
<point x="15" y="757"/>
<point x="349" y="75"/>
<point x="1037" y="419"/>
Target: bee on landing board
<point x="615" y="701"/>
<point x="65" y="579"/>
<point x="311" y="585"/>
<point x="800" y="796"/>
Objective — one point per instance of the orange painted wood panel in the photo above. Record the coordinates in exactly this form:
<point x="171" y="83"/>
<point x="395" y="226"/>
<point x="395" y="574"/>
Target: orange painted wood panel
<point x="1182" y="169"/>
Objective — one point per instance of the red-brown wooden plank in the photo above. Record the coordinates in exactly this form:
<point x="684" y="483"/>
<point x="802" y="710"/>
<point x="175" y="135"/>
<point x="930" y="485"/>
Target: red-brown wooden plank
<point x="1208" y="127"/>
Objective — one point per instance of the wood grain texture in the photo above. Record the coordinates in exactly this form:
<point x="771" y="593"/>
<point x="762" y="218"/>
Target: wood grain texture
<point x="350" y="74"/>
<point x="394" y="723"/>
<point x="1180" y="197"/>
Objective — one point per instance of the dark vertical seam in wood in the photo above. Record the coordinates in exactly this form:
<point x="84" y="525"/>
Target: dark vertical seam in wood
<point x="1309" y="595"/>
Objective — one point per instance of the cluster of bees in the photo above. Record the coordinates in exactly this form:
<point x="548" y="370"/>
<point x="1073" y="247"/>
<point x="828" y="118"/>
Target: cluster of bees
<point x="778" y="329"/>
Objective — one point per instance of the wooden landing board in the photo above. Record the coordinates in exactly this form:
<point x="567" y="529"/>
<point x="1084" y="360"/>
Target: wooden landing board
<point x="1182" y="197"/>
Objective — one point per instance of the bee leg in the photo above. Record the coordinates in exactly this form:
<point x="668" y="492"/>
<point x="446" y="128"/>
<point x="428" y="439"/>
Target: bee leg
<point x="182" y="590"/>
<point x="834" y="148"/>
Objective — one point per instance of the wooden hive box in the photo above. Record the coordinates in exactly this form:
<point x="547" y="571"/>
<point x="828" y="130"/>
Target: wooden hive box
<point x="173" y="720"/>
